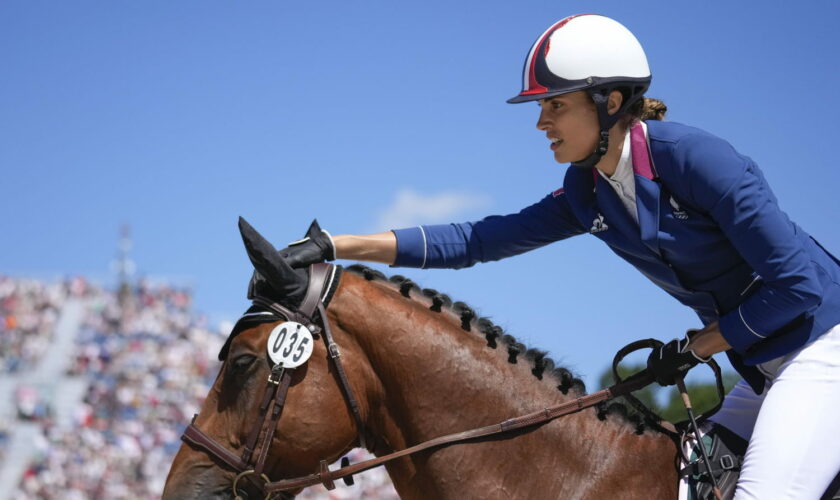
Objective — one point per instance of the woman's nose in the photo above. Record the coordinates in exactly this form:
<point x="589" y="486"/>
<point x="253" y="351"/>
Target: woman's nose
<point x="542" y="122"/>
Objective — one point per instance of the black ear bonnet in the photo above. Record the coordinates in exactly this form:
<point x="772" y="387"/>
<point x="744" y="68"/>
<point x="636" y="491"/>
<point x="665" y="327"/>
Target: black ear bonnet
<point x="257" y="315"/>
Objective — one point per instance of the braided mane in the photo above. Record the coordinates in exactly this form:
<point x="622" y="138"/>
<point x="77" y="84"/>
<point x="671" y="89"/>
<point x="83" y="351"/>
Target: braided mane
<point x="496" y="338"/>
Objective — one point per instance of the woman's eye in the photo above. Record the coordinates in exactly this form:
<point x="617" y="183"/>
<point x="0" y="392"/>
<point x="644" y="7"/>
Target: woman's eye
<point x="241" y="363"/>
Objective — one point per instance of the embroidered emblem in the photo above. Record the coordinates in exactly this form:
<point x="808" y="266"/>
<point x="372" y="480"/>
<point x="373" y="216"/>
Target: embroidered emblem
<point x="678" y="212"/>
<point x="598" y="225"/>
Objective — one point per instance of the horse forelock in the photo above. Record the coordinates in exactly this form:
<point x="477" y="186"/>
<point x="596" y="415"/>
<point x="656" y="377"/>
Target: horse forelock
<point x="496" y="338"/>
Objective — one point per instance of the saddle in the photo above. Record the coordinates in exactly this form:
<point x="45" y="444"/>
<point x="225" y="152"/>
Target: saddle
<point x="726" y="452"/>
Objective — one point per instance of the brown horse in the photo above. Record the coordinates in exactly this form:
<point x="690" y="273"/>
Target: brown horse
<point x="422" y="367"/>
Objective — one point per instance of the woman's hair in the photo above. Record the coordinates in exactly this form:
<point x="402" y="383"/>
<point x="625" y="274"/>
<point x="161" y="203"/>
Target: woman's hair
<point x="648" y="108"/>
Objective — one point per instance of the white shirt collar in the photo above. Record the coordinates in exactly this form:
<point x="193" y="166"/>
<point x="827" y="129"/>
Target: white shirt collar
<point x="624" y="169"/>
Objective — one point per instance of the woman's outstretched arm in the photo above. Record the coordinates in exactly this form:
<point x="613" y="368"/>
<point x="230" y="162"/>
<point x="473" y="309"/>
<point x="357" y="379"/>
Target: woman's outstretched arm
<point x="379" y="247"/>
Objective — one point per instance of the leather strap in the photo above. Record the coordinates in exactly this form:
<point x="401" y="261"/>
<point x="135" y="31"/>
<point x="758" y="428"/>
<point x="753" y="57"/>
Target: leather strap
<point x="335" y="354"/>
<point x="251" y="442"/>
<point x="198" y="439"/>
<point x="277" y="409"/>
<point x="194" y="437"/>
<point x="281" y="310"/>
<point x="633" y="383"/>
<point x="318" y="274"/>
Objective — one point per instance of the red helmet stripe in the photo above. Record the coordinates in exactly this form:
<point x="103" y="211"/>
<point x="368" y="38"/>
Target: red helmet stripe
<point x="533" y="86"/>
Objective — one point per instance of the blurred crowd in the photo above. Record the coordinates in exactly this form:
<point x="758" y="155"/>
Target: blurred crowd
<point x="28" y="313"/>
<point x="4" y="439"/>
<point x="149" y="360"/>
<point x="149" y="363"/>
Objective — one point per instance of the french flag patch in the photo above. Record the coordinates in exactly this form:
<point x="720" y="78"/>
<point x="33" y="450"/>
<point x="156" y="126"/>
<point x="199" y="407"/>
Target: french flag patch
<point x="558" y="192"/>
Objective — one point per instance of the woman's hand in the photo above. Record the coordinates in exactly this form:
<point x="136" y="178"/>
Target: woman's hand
<point x="671" y="361"/>
<point x="320" y="246"/>
<point x="317" y="246"/>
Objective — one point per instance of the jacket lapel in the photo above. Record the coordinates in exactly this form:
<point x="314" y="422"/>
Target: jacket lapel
<point x="647" y="204"/>
<point x="580" y="191"/>
<point x="647" y="188"/>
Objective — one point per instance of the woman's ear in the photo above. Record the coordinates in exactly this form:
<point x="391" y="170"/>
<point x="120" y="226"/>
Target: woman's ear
<point x="614" y="102"/>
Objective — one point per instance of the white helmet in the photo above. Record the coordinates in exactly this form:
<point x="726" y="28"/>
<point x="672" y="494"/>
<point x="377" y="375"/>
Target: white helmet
<point x="586" y="52"/>
<point x="581" y="52"/>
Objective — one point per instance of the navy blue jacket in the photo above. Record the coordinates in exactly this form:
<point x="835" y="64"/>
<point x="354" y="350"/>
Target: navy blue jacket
<point x="710" y="233"/>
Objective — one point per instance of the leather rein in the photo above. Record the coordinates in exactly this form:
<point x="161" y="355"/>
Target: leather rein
<point x="251" y="463"/>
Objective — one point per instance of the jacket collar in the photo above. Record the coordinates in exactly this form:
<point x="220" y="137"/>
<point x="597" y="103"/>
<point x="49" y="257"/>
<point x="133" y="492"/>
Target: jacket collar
<point x="647" y="187"/>
<point x="640" y="150"/>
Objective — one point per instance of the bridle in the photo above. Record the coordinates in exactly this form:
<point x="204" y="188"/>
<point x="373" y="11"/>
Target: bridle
<point x="251" y="463"/>
<point x="323" y="280"/>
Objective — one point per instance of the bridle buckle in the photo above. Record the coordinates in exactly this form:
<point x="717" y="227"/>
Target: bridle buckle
<point x="275" y="375"/>
<point x="334" y="352"/>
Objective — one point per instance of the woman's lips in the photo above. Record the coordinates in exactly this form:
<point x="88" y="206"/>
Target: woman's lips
<point x="555" y="145"/>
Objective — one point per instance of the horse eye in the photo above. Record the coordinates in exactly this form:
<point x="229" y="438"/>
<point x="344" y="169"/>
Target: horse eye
<point x="241" y="363"/>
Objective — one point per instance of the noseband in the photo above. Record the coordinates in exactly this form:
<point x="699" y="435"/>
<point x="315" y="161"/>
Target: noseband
<point x="250" y="464"/>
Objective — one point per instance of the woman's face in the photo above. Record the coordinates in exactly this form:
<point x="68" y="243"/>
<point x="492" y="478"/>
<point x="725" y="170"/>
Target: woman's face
<point x="570" y="122"/>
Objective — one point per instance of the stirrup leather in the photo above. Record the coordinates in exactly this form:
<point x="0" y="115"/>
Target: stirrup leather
<point x="726" y="453"/>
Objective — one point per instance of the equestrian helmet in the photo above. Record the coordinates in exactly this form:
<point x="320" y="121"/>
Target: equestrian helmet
<point x="585" y="51"/>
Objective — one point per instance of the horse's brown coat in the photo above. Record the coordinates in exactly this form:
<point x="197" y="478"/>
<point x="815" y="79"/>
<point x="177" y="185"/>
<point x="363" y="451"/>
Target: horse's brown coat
<point x="418" y="376"/>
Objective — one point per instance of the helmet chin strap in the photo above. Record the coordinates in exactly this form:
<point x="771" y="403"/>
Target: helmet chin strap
<point x="606" y="121"/>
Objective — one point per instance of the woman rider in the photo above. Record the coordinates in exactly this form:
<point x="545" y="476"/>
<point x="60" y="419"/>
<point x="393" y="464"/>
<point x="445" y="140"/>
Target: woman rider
<point x="696" y="218"/>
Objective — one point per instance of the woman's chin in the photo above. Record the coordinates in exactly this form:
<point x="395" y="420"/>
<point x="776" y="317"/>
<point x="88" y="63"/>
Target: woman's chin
<point x="559" y="157"/>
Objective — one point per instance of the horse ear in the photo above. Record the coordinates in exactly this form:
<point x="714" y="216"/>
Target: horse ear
<point x="314" y="229"/>
<point x="268" y="262"/>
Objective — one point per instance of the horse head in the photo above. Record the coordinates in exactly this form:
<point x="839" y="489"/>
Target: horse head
<point x="315" y="423"/>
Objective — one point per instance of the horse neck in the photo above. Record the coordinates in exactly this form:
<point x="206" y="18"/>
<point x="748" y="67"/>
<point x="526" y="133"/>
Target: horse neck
<point x="429" y="377"/>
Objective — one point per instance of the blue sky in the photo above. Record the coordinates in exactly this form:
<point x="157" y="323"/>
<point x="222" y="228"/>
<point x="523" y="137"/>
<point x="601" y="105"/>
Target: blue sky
<point x="177" y="117"/>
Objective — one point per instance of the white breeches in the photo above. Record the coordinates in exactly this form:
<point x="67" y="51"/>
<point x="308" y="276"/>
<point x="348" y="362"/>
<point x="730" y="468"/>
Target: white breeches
<point x="793" y="427"/>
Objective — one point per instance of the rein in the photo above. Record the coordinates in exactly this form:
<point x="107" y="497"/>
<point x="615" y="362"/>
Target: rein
<point x="328" y="477"/>
<point x="322" y="278"/>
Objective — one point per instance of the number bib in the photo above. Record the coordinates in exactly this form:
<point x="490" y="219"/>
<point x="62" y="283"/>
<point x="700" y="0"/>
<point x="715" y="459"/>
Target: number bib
<point x="290" y="344"/>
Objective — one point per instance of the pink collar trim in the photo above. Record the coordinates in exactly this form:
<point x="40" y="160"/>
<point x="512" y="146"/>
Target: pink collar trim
<point x="642" y="164"/>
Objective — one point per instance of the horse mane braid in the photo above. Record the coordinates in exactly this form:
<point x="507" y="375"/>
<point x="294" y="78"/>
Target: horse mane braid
<point x="439" y="300"/>
<point x="370" y="274"/>
<point x="466" y="313"/>
<point x="541" y="364"/>
<point x="491" y="332"/>
<point x="537" y="357"/>
<point x="514" y="348"/>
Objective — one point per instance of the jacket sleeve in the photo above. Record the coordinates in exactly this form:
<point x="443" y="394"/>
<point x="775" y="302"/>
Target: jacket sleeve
<point x="732" y="189"/>
<point x="495" y="237"/>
